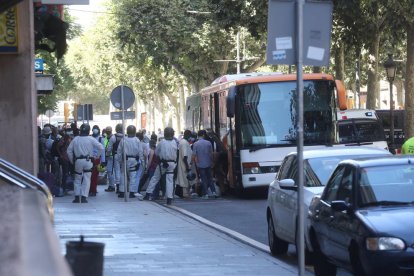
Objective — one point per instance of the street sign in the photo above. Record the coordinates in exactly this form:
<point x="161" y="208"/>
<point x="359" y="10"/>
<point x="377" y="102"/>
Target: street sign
<point x="38" y="65"/>
<point x="116" y="97"/>
<point x="85" y="112"/>
<point x="49" y="113"/>
<point x="129" y="115"/>
<point x="317" y="29"/>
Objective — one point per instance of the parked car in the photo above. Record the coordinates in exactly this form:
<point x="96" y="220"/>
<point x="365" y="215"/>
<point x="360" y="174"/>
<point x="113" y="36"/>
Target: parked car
<point x="364" y="220"/>
<point x="282" y="214"/>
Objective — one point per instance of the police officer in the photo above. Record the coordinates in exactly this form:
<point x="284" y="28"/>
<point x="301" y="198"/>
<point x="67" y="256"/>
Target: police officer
<point x="134" y="160"/>
<point x="166" y="150"/>
<point x="112" y="150"/>
<point x="80" y="153"/>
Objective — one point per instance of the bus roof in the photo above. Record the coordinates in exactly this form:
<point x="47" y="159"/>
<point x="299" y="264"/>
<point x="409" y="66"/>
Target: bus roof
<point x="235" y="80"/>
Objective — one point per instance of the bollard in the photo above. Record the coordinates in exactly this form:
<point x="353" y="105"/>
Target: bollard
<point x="85" y="258"/>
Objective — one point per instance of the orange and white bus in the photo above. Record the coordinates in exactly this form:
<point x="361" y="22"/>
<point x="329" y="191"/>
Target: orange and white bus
<point x="258" y="113"/>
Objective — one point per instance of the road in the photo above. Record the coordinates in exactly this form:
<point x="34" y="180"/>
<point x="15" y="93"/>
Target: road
<point x="246" y="216"/>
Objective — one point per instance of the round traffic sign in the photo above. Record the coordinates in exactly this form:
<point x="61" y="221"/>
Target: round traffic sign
<point x="49" y="113"/>
<point x="116" y="97"/>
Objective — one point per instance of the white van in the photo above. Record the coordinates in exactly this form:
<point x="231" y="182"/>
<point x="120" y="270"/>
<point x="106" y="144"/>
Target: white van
<point x="360" y="127"/>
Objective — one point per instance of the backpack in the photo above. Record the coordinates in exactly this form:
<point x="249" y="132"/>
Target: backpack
<point x="116" y="144"/>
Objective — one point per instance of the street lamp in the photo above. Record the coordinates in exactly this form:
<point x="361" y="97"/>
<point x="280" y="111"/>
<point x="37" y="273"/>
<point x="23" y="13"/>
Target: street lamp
<point x="391" y="68"/>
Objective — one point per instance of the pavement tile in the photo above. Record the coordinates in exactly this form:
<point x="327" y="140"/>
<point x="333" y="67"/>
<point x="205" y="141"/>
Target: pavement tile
<point x="147" y="238"/>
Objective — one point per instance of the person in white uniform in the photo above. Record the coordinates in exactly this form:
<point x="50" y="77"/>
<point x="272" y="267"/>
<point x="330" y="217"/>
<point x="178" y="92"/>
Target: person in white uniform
<point x="81" y="154"/>
<point x="134" y="160"/>
<point x="167" y="151"/>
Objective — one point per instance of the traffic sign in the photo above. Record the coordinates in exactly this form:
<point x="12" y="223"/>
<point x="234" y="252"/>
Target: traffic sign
<point x="129" y="115"/>
<point x="116" y="97"/>
<point x="49" y="113"/>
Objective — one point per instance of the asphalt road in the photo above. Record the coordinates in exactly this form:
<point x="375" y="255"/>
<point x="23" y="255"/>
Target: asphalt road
<point x="246" y="216"/>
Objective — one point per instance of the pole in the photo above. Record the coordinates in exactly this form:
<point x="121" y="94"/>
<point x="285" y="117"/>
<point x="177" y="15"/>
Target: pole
<point x="392" y="146"/>
<point x="299" y="79"/>
<point x="126" y="194"/>
<point x="238" y="52"/>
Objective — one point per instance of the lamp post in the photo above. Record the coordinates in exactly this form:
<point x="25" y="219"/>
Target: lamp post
<point x="391" y="68"/>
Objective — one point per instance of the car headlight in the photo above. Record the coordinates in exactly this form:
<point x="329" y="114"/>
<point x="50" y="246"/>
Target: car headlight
<point x="385" y="243"/>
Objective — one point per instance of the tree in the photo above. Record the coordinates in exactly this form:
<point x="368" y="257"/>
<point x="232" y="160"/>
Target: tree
<point x="403" y="13"/>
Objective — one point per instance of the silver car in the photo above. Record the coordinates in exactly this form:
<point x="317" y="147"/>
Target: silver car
<point x="282" y="210"/>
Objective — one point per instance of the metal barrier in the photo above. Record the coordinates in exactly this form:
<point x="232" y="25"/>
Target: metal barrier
<point x="16" y="176"/>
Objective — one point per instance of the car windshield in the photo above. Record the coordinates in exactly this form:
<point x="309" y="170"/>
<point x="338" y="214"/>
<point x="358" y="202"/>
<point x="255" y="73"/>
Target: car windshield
<point x="324" y="166"/>
<point x="387" y="185"/>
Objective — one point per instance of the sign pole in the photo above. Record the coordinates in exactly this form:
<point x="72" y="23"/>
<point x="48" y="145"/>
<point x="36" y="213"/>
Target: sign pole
<point x="126" y="194"/>
<point x="299" y="89"/>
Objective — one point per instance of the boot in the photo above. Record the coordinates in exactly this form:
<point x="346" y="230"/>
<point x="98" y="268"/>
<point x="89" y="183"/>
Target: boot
<point x="110" y="189"/>
<point x="83" y="199"/>
<point x="121" y="194"/>
<point x="131" y="195"/>
<point x="169" y="201"/>
<point x="76" y="200"/>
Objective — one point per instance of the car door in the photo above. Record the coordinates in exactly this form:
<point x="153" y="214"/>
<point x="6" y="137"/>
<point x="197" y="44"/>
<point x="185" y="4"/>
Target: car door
<point x="285" y="202"/>
<point x="338" y="225"/>
<point x="323" y="214"/>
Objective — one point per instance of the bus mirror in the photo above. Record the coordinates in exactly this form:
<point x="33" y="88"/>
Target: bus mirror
<point x="231" y="105"/>
<point x="340" y="88"/>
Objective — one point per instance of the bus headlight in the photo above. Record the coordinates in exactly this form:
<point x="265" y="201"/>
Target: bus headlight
<point x="251" y="168"/>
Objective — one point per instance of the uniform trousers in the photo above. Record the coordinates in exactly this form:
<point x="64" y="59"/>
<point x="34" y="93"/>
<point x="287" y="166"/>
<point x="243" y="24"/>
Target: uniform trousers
<point x="132" y="176"/>
<point x="110" y="171"/>
<point x="82" y="179"/>
<point x="169" y="179"/>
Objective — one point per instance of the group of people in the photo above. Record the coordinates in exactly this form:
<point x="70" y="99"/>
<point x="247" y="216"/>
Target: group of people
<point x="168" y="165"/>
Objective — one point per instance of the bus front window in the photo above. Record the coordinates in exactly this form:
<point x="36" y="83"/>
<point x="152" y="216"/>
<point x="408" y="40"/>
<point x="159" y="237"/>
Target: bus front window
<point x="268" y="113"/>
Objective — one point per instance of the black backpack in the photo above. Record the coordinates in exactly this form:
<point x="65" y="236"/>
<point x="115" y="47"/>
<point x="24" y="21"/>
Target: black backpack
<point x="116" y="144"/>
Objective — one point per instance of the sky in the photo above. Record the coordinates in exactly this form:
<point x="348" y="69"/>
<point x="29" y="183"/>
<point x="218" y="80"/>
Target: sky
<point x="86" y="14"/>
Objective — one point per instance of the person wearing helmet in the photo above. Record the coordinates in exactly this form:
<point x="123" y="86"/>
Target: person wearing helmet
<point x="81" y="152"/>
<point x="184" y="163"/>
<point x="166" y="150"/>
<point x="134" y="160"/>
<point x="111" y="150"/>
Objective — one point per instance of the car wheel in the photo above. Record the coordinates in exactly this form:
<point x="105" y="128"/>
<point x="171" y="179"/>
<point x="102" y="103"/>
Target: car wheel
<point x="277" y="245"/>
<point x="321" y="264"/>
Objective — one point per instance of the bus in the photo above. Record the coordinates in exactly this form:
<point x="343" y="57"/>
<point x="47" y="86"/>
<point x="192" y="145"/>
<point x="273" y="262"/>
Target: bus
<point x="256" y="117"/>
<point x="361" y="127"/>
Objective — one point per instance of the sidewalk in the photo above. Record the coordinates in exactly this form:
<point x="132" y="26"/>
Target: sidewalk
<point x="147" y="238"/>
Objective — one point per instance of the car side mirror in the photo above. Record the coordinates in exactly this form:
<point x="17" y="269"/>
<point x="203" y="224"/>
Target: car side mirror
<point x="288" y="184"/>
<point x="340" y="205"/>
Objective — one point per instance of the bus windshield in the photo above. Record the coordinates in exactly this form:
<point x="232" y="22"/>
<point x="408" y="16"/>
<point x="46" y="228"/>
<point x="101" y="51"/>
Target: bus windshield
<point x="268" y="113"/>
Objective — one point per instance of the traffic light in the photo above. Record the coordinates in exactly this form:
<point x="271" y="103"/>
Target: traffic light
<point x="66" y="112"/>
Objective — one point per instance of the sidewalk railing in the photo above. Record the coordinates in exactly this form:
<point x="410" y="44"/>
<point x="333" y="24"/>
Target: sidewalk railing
<point x="16" y="176"/>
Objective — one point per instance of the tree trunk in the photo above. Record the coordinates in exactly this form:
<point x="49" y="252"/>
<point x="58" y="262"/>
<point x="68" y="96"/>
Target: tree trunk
<point x="409" y="84"/>
<point x="373" y="86"/>
<point x="339" y="63"/>
<point x="398" y="83"/>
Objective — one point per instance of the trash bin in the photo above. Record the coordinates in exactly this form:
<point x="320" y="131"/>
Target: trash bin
<point x="85" y="258"/>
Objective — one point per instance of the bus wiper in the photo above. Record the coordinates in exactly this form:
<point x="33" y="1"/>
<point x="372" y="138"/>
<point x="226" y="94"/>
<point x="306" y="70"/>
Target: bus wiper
<point x="359" y="144"/>
<point x="267" y="147"/>
<point x="385" y="203"/>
